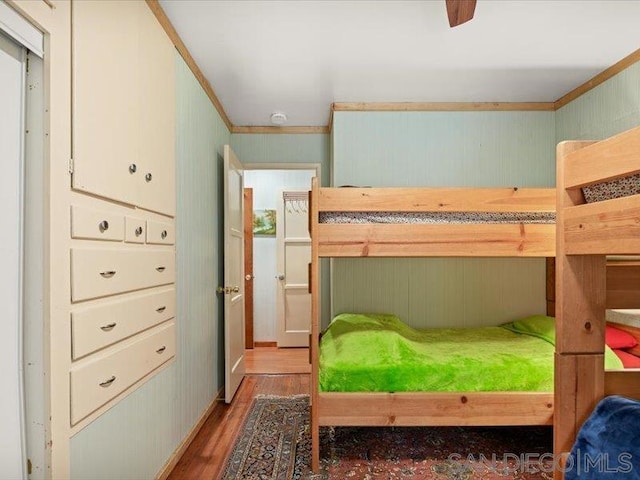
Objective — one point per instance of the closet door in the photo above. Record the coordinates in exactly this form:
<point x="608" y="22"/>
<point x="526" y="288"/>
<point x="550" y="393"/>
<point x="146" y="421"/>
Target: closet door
<point x="157" y="123"/>
<point x="106" y="106"/>
<point x="12" y="97"/>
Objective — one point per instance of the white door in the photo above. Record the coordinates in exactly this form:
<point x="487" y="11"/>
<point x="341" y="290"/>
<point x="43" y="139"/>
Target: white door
<point x="233" y="289"/>
<point x="12" y="128"/>
<point x="293" y="258"/>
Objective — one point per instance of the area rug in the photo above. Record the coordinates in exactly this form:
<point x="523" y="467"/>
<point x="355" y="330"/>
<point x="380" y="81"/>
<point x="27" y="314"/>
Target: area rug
<point x="275" y="444"/>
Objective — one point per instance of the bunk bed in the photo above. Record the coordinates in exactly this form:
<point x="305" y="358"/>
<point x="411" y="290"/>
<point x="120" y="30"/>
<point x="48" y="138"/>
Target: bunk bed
<point x="490" y="222"/>
<point x="586" y="233"/>
<point x="496" y="222"/>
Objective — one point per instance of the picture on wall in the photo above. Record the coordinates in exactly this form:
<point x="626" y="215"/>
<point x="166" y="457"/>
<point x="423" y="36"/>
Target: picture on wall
<point x="264" y="222"/>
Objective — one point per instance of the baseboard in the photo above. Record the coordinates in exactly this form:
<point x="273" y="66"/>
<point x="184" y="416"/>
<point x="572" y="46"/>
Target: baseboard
<point x="265" y="344"/>
<point x="175" y="457"/>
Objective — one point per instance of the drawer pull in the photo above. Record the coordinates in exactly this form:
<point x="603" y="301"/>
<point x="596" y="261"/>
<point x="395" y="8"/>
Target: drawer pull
<point x="108" y="328"/>
<point x="108" y="273"/>
<point x="104" y="226"/>
<point x="148" y="177"/>
<point x="163" y="235"/>
<point x="132" y="168"/>
<point x="107" y="383"/>
<point x="138" y="231"/>
<point x="160" y="269"/>
<point x="161" y="349"/>
<point x="161" y="309"/>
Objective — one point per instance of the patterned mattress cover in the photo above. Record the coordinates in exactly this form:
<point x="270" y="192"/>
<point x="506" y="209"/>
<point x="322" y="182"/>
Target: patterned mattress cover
<point x="436" y="217"/>
<point x="622" y="187"/>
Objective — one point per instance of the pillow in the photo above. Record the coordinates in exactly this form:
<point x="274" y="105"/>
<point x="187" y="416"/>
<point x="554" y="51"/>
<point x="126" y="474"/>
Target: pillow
<point x="619" y="339"/>
<point x="539" y="326"/>
<point x="628" y="360"/>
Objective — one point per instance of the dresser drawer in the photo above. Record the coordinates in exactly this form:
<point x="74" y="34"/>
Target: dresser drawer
<point x="96" y="225"/>
<point x="97" y="382"/>
<point x="97" y="273"/>
<point x="160" y="233"/>
<point x="134" y="230"/>
<point x="96" y="327"/>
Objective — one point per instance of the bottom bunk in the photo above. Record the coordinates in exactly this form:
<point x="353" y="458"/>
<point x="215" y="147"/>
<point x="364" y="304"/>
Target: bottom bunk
<point x="374" y="370"/>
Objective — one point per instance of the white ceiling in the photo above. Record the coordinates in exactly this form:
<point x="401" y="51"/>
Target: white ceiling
<point x="300" y="56"/>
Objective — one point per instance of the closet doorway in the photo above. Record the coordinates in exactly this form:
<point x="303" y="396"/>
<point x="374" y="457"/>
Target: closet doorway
<point x="278" y="264"/>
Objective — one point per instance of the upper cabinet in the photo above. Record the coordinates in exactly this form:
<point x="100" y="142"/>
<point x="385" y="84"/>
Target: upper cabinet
<point x="123" y="105"/>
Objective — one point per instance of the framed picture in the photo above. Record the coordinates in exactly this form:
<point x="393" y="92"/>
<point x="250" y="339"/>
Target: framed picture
<point x="264" y="223"/>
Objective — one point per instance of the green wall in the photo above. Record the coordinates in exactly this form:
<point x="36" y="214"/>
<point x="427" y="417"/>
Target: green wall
<point x="135" y="438"/>
<point x="606" y="110"/>
<point x="439" y="149"/>
<point x="290" y="148"/>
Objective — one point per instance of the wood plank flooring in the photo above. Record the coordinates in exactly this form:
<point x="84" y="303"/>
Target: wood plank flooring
<point x="205" y="457"/>
<point x="261" y="360"/>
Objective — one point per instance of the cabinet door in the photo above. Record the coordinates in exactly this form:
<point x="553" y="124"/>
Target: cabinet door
<point x="106" y="105"/>
<point x="157" y="109"/>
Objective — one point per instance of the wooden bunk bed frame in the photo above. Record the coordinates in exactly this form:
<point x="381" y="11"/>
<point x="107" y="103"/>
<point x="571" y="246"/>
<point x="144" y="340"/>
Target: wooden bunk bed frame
<point x="489" y="240"/>
<point x="424" y="240"/>
<point x="585" y="284"/>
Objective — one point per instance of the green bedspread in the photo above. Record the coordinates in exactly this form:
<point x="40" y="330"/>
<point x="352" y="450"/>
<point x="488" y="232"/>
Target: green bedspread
<point x="379" y="353"/>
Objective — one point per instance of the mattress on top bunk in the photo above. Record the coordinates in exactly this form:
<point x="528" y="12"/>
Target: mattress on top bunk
<point x="621" y="187"/>
<point x="437" y="217"/>
<point x="379" y="353"/>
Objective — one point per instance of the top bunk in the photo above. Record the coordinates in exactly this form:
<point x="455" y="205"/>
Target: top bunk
<point x="599" y="196"/>
<point x="433" y="222"/>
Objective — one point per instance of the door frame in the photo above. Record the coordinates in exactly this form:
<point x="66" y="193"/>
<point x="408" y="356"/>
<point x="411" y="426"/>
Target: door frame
<point x="284" y="166"/>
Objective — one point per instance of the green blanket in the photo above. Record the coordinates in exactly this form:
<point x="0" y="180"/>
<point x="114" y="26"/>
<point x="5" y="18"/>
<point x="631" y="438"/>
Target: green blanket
<point x="379" y="353"/>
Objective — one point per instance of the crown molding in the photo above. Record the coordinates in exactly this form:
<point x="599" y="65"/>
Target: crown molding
<point x="157" y="10"/>
<point x="602" y="77"/>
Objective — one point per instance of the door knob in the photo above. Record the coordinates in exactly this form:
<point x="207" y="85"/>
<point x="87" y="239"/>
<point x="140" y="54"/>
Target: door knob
<point x="248" y="277"/>
<point x="280" y="277"/>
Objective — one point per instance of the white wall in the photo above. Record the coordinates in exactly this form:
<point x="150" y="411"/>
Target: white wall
<point x="267" y="185"/>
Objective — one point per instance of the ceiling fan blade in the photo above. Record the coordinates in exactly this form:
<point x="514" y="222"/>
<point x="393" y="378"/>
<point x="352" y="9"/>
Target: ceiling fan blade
<point x="460" y="11"/>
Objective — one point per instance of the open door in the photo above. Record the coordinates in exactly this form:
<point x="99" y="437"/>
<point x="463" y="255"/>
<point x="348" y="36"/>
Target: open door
<point x="293" y="258"/>
<point x="233" y="290"/>
<point x="248" y="268"/>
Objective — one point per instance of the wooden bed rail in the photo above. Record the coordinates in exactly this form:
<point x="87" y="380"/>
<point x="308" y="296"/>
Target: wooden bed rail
<point x="437" y="200"/>
<point x="615" y="157"/>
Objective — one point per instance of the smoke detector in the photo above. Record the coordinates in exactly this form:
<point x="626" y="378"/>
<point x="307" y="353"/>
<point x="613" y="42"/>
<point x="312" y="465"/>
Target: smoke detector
<point x="278" y="118"/>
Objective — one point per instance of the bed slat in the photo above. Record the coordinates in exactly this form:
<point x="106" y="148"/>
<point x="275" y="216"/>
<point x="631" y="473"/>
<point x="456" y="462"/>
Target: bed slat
<point x="422" y="240"/>
<point x="623" y="285"/>
<point x="436" y="408"/>
<point x="616" y="157"/>
<point x="607" y="227"/>
<point x="437" y="200"/>
<point x="619" y="382"/>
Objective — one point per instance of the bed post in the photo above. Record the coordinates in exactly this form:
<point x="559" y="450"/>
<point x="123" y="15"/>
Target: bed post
<point x="580" y="309"/>
<point x="314" y="340"/>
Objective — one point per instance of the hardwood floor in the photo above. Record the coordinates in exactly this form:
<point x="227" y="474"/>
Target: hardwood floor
<point x="261" y="360"/>
<point x="205" y="457"/>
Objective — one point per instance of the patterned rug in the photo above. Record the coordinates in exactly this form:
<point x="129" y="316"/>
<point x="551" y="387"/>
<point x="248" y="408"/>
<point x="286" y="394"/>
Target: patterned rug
<point x="275" y="445"/>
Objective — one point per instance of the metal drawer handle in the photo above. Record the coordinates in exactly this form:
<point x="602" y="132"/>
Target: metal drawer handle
<point x="161" y="309"/>
<point x="108" y="328"/>
<point x="104" y="225"/>
<point x="160" y="269"/>
<point x="107" y="383"/>
<point x="161" y="349"/>
<point x="138" y="231"/>
<point x="108" y="273"/>
<point x="148" y="177"/>
<point x="163" y="235"/>
<point x="132" y="168"/>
